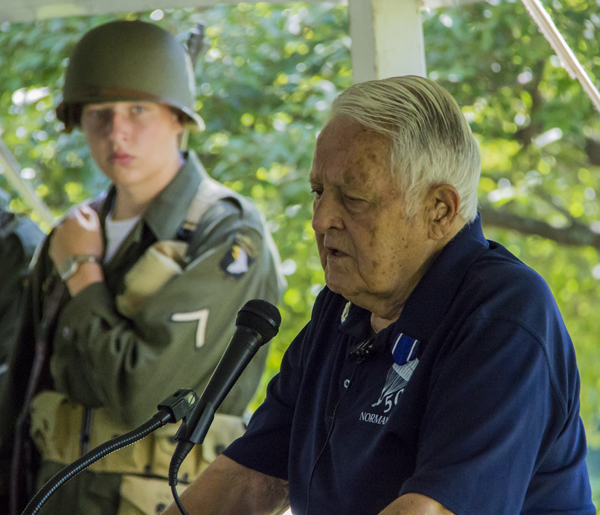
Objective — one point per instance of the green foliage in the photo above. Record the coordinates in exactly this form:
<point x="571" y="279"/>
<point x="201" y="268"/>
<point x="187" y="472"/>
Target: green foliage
<point x="264" y="85"/>
<point x="539" y="136"/>
<point x="503" y="72"/>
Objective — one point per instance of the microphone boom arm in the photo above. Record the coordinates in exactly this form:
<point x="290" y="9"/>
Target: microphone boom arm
<point x="171" y="410"/>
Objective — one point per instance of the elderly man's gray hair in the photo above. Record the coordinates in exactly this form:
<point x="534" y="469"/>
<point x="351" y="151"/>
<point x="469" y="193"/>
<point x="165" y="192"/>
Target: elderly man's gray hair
<point x="431" y="141"/>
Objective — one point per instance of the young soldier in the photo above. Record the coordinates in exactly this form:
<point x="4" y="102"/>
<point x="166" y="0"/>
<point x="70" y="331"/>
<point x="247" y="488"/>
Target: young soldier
<point x="134" y="295"/>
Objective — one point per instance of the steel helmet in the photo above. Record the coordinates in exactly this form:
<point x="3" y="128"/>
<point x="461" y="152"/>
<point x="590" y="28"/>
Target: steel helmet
<point x="128" y="61"/>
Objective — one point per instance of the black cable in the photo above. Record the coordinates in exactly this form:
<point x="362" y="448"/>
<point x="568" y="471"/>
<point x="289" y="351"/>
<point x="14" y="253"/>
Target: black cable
<point x="78" y="466"/>
<point x="178" y="500"/>
<point x="183" y="449"/>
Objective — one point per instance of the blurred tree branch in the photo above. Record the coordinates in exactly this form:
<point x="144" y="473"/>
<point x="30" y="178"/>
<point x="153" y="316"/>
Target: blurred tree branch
<point x="526" y="135"/>
<point x="576" y="234"/>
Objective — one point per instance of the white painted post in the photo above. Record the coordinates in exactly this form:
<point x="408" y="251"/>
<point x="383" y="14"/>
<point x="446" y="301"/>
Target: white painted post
<point x="387" y="38"/>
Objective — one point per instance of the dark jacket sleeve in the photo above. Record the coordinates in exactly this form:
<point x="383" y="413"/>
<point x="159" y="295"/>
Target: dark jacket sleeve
<point x="17" y="246"/>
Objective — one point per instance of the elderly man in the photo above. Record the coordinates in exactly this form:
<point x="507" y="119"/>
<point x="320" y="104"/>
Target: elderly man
<point x="436" y="375"/>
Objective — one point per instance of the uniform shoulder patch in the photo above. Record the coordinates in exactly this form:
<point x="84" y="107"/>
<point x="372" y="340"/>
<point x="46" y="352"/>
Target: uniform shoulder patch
<point x="238" y="259"/>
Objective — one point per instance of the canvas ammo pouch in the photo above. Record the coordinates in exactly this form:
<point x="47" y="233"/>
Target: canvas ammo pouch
<point x="57" y="423"/>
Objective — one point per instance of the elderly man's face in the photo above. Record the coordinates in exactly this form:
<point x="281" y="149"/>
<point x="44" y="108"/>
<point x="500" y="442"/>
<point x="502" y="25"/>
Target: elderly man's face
<point x="371" y="252"/>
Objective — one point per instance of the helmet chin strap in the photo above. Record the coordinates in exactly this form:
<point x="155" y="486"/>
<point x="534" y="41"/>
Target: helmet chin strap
<point x="183" y="140"/>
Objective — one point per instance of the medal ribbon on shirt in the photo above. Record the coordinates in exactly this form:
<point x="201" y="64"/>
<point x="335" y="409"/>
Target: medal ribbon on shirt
<point x="404" y="352"/>
<point x="405" y="349"/>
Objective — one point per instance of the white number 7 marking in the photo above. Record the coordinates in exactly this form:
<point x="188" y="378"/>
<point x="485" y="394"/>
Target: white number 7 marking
<point x="201" y="316"/>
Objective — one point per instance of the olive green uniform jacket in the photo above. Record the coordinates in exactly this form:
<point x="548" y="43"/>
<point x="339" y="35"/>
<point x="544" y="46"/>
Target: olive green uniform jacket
<point x="127" y="365"/>
<point x="19" y="238"/>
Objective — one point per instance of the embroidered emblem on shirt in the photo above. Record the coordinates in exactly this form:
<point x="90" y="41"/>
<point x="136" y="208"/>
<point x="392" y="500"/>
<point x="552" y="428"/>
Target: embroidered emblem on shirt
<point x="405" y="363"/>
<point x="238" y="259"/>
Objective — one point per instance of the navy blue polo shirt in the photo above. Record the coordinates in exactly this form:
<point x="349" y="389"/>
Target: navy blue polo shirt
<point x="471" y="398"/>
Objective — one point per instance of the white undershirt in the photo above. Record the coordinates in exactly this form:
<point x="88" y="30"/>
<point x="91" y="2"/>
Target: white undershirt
<point x="116" y="232"/>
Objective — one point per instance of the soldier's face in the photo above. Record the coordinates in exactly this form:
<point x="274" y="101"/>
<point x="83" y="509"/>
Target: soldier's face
<point x="132" y="142"/>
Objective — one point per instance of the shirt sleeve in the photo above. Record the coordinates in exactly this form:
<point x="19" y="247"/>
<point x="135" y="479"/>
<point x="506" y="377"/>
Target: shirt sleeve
<point x="12" y="275"/>
<point x="18" y="241"/>
<point x="490" y="416"/>
<point x="129" y="365"/>
<point x="21" y="357"/>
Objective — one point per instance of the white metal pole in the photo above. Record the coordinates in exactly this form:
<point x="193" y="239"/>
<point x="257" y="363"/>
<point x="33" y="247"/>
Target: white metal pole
<point x="559" y="45"/>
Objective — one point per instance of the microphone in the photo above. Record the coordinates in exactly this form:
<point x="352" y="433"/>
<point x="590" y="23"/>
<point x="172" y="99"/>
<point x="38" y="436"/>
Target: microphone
<point x="363" y="350"/>
<point x="256" y="324"/>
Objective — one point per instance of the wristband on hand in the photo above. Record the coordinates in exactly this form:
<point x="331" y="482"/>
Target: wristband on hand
<point x="71" y="264"/>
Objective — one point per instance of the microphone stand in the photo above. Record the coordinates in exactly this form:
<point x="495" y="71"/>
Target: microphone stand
<point x="200" y="419"/>
<point x="171" y="410"/>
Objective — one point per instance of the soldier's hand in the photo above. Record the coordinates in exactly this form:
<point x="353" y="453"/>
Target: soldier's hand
<point x="78" y="233"/>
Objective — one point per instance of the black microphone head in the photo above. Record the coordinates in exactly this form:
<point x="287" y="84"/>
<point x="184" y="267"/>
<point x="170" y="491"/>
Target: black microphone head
<point x="260" y="316"/>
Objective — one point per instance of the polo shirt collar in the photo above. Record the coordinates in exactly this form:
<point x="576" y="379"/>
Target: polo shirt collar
<point x="430" y="300"/>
